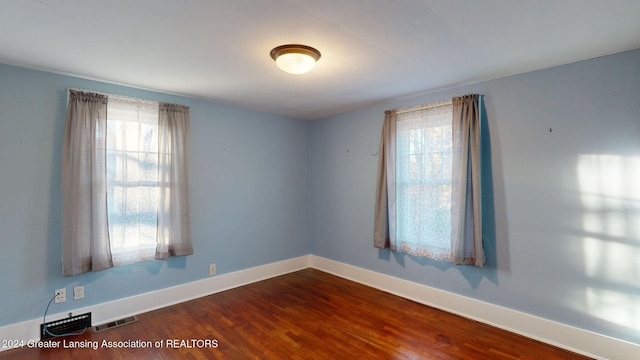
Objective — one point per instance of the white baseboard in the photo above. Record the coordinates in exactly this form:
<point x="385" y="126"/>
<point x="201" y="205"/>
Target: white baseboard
<point x="564" y="336"/>
<point x="118" y="309"/>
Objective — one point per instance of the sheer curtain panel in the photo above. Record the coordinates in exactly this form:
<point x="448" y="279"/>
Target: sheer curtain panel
<point x="132" y="179"/>
<point x="423" y="182"/>
<point x="174" y="163"/>
<point x="84" y="202"/>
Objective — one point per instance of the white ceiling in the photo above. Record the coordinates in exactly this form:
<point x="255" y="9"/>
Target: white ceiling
<point x="372" y="50"/>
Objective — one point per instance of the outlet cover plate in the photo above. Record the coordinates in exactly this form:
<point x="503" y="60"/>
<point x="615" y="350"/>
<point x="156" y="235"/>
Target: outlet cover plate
<point x="60" y="295"/>
<point x="212" y="269"/>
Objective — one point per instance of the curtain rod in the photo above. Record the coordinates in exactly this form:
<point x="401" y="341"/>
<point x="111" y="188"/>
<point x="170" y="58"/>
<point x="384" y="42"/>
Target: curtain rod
<point x="115" y="96"/>
<point x="133" y="100"/>
<point x="84" y="90"/>
<point x="424" y="107"/>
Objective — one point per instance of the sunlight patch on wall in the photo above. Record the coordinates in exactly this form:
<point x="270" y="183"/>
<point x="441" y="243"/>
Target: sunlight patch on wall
<point x="614" y="306"/>
<point x="611" y="261"/>
<point x="610" y="195"/>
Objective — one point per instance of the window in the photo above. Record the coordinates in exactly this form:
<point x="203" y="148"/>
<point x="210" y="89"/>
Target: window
<point x="125" y="182"/>
<point x="423" y="182"/>
<point x="132" y="179"/>
<point x="428" y="193"/>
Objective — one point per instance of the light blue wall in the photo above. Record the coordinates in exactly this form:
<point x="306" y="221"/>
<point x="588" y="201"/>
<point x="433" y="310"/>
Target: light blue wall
<point x="565" y="232"/>
<point x="249" y="195"/>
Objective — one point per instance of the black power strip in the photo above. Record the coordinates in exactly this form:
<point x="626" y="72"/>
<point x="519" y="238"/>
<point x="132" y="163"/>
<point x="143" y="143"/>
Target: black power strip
<point x="65" y="326"/>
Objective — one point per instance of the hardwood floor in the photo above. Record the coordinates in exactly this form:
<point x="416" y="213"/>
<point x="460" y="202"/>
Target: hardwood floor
<point x="308" y="314"/>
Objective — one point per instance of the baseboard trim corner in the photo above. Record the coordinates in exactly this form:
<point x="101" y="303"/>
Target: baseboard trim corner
<point x="554" y="333"/>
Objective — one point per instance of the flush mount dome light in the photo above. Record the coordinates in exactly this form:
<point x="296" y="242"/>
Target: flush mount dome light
<point x="295" y="59"/>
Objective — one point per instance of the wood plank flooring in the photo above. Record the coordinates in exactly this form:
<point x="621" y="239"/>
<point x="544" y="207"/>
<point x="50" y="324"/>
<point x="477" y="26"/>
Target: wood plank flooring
<point x="308" y="314"/>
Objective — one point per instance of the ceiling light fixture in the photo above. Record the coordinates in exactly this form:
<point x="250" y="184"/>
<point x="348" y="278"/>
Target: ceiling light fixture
<point x="294" y="58"/>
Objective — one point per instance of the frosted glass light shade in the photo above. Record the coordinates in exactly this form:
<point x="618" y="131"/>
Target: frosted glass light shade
<point x="295" y="63"/>
<point x="295" y="59"/>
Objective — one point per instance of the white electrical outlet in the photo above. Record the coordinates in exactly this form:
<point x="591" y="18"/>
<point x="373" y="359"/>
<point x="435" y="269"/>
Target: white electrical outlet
<point x="212" y="269"/>
<point x="78" y="292"/>
<point x="61" y="296"/>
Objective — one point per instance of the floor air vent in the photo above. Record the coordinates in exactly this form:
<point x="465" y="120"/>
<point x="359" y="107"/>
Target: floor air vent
<point x="114" y="324"/>
<point x="67" y="326"/>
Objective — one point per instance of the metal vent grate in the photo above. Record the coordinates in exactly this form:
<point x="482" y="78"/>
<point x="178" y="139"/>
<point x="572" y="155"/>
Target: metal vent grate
<point x="113" y="324"/>
<point x="70" y="325"/>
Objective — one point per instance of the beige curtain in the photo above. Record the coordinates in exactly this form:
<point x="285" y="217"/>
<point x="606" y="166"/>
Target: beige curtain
<point x="385" y="217"/>
<point x="86" y="241"/>
<point x="84" y="201"/>
<point x="466" y="206"/>
<point x="174" y="215"/>
<point x="466" y="211"/>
